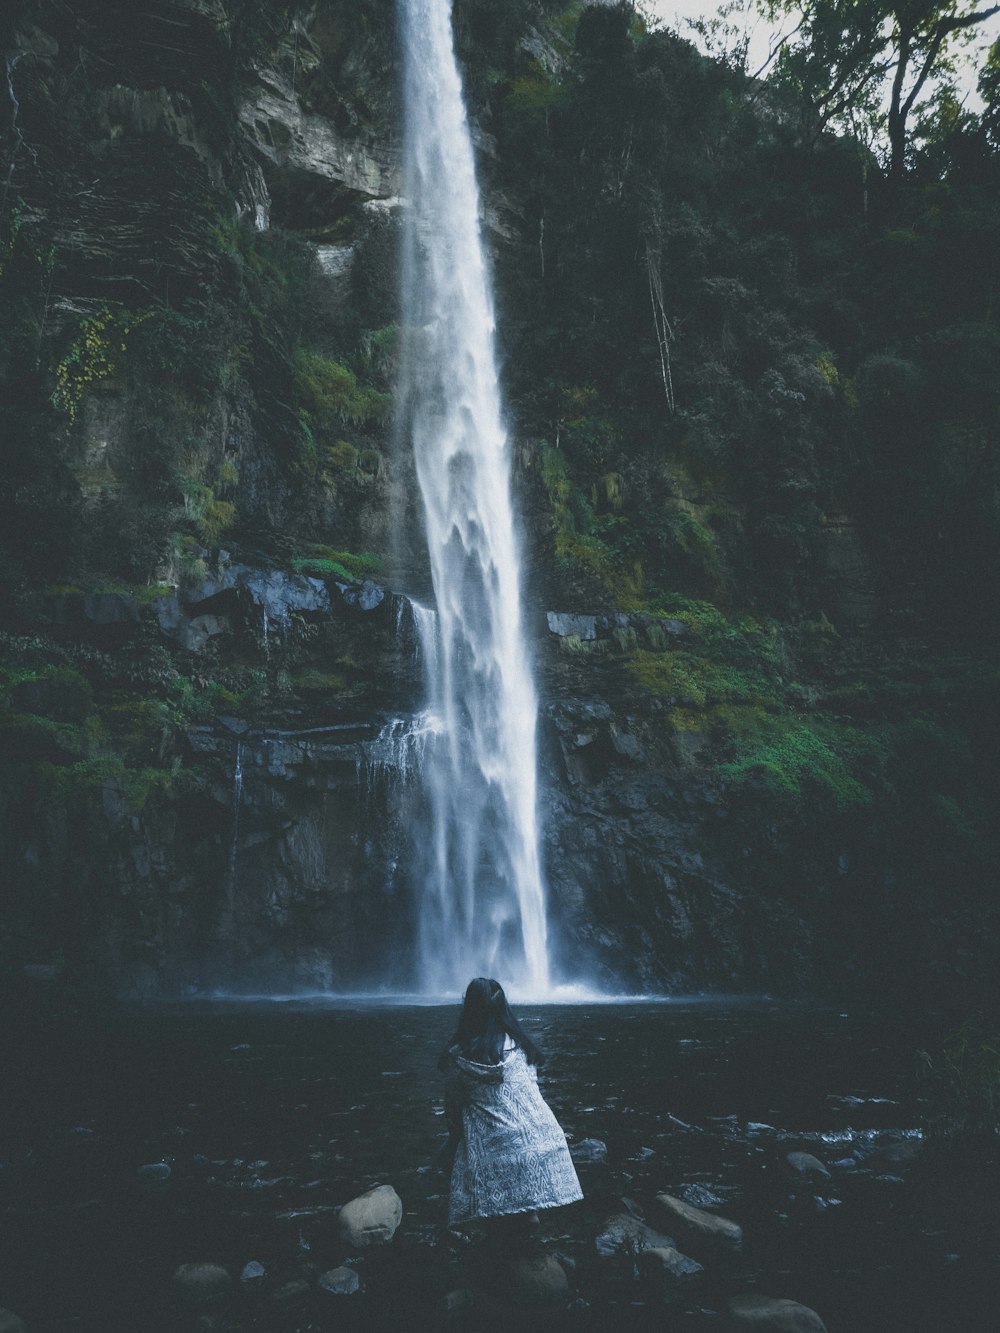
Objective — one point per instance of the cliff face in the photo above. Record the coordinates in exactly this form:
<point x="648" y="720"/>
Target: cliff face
<point x="207" y="523"/>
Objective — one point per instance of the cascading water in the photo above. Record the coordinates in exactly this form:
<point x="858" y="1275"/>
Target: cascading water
<point x="482" y="903"/>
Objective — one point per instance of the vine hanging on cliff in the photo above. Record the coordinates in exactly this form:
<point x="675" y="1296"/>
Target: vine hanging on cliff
<point x="662" y="325"/>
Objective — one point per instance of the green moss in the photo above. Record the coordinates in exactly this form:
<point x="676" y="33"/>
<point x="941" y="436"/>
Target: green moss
<point x="324" y="562"/>
<point x="788" y="753"/>
<point x="329" y="388"/>
<point x="320" y="682"/>
<point x="340" y="457"/>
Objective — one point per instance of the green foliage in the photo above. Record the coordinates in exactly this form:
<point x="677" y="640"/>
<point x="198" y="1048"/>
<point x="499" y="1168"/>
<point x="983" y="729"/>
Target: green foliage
<point x="95" y="355"/>
<point x="326" y="563"/>
<point x="788" y="753"/>
<point x="962" y="1081"/>
<point x="330" y="388"/>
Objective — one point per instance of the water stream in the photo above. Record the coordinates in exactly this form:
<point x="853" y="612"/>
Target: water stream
<point x="270" y="1116"/>
<point x="482" y="901"/>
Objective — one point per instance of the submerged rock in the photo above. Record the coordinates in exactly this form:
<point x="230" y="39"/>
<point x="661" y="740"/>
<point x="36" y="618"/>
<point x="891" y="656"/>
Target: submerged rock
<point x="12" y="1323"/>
<point x="664" y="1260"/>
<point x="699" y="1225"/>
<point x="538" y="1279"/>
<point x="589" y="1150"/>
<point x="805" y="1164"/>
<point x="153" y="1175"/>
<point x="341" y="1281"/>
<point x="371" y="1218"/>
<point x="770" y="1314"/>
<point x="201" y="1284"/>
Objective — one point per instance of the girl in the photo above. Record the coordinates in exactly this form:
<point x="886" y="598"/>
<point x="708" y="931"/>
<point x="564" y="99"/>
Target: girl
<point x="510" y="1156"/>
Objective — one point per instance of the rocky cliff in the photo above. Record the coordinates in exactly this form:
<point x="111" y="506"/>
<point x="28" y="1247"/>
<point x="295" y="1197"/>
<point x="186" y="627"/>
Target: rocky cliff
<point x="209" y="531"/>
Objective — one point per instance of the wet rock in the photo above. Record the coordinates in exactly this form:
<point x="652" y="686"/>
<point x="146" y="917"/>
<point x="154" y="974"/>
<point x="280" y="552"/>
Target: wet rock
<point x="568" y="626"/>
<point x="622" y="1234"/>
<point x="341" y="1281"/>
<point x="366" y="598"/>
<point x="371" y="1218"/>
<point x="664" y="1260"/>
<point x="202" y="1284"/>
<point x="805" y="1164"/>
<point x="589" y="1150"/>
<point x="772" y="1315"/>
<point x="11" y="1323"/>
<point x="700" y="1196"/>
<point x="291" y="1292"/>
<point x="538" y="1279"/>
<point x="253" y="1273"/>
<point x="698" y="1225"/>
<point x="154" y="1175"/>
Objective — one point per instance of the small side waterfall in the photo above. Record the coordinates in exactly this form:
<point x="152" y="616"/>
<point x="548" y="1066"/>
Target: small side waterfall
<point x="482" y="901"/>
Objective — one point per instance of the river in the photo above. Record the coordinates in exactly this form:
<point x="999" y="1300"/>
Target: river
<point x="270" y="1115"/>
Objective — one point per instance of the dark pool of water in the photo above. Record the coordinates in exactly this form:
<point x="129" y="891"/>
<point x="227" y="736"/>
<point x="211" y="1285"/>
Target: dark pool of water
<point x="271" y="1116"/>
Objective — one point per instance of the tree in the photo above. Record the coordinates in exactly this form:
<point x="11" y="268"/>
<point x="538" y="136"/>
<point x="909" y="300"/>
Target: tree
<point x="842" y="54"/>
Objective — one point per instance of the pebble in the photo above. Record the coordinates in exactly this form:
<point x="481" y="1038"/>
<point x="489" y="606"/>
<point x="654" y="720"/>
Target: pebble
<point x="589" y="1150"/>
<point x="341" y="1281"/>
<point x="154" y="1173"/>
<point x="805" y="1164"/>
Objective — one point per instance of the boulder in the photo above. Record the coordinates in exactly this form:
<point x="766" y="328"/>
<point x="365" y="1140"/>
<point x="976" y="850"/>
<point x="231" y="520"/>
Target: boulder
<point x="696" y="1224"/>
<point x="805" y="1164"/>
<point x="365" y="598"/>
<point x="202" y="1284"/>
<point x="371" y="1218"/>
<point x="622" y="1234"/>
<point x="253" y="1273"/>
<point x="538" y="1279"/>
<point x="664" y="1260"/>
<point x="769" y="1314"/>
<point x="589" y="1150"/>
<point x="341" y="1281"/>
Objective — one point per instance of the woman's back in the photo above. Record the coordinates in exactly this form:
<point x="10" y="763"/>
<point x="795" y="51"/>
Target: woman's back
<point x="512" y="1156"/>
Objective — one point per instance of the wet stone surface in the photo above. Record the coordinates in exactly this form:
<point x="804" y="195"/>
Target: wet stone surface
<point x="263" y="1121"/>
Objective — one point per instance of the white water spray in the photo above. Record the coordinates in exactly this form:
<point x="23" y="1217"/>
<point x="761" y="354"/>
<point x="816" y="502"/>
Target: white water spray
<point x="483" y="904"/>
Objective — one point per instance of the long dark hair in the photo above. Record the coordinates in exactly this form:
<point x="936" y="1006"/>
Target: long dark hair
<point x="486" y="1019"/>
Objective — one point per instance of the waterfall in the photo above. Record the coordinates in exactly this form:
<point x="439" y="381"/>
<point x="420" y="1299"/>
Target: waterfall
<point x="482" y="900"/>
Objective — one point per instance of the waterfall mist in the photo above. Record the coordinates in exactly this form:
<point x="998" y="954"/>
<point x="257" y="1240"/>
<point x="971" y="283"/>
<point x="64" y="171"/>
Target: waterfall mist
<point x="481" y="901"/>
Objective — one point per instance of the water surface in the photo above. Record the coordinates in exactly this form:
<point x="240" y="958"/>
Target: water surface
<point x="271" y="1116"/>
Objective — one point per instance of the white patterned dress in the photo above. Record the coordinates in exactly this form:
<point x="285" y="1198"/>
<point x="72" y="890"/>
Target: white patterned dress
<point x="512" y="1157"/>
